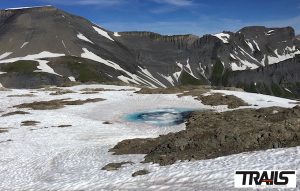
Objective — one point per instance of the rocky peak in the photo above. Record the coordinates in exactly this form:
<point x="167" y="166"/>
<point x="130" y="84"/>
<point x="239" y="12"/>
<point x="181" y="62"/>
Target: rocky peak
<point x="253" y="32"/>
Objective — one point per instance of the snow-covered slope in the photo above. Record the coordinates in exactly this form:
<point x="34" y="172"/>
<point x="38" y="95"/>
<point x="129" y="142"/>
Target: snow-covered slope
<point x="46" y="157"/>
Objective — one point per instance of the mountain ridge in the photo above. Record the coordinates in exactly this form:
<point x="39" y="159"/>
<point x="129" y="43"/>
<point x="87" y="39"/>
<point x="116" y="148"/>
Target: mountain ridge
<point x="138" y="57"/>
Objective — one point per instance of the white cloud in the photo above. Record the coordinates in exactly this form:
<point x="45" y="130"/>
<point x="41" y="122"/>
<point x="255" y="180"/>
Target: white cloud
<point x="178" y="3"/>
<point x="85" y="2"/>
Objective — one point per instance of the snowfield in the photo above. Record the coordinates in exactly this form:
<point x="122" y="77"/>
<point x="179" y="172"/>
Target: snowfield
<point x="46" y="157"/>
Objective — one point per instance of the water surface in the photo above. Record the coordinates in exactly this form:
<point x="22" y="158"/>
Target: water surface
<point x="161" y="117"/>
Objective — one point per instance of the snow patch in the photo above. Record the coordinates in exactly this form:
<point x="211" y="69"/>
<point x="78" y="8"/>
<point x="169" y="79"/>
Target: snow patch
<point x="24" y="44"/>
<point x="270" y="32"/>
<point x="4" y="55"/>
<point x="116" y="34"/>
<point x="250" y="45"/>
<point x="44" y="54"/>
<point x="289" y="53"/>
<point x="168" y="78"/>
<point x="63" y="43"/>
<point x="147" y="74"/>
<point x="103" y="33"/>
<point x="134" y="78"/>
<point x="177" y="75"/>
<point x="256" y="45"/>
<point x="223" y="36"/>
<point x="43" y="67"/>
<point x="188" y="66"/>
<point x="288" y="90"/>
<point x="72" y="78"/>
<point x="259" y="100"/>
<point x="263" y="61"/>
<point x="243" y="65"/>
<point x="82" y="37"/>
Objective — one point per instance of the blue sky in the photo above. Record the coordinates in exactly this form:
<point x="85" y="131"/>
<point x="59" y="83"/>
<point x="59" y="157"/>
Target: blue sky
<point x="178" y="16"/>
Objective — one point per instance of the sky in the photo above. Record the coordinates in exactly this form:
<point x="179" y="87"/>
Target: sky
<point x="169" y="17"/>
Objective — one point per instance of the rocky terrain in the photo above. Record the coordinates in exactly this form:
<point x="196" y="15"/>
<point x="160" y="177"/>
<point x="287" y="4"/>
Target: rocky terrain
<point x="210" y="135"/>
<point x="64" y="127"/>
<point x="47" y="46"/>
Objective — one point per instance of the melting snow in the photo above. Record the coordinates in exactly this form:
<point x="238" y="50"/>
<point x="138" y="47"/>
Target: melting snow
<point x="24" y="44"/>
<point x="259" y="100"/>
<point x="147" y="74"/>
<point x="72" y="79"/>
<point x="44" y="54"/>
<point x="103" y="33"/>
<point x="223" y="36"/>
<point x="36" y="57"/>
<point x="256" y="45"/>
<point x="116" y="34"/>
<point x="243" y="65"/>
<point x="288" y="90"/>
<point x="176" y="75"/>
<point x="250" y="45"/>
<point x="289" y="53"/>
<point x="270" y="32"/>
<point x="168" y="78"/>
<point x="134" y="78"/>
<point x="43" y="67"/>
<point x="6" y="54"/>
<point x="63" y="43"/>
<point x="82" y="37"/>
<point x="127" y="80"/>
<point x="190" y="69"/>
<point x="71" y="158"/>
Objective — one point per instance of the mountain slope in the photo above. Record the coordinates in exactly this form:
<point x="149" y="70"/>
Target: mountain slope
<point x="281" y="79"/>
<point x="63" y="44"/>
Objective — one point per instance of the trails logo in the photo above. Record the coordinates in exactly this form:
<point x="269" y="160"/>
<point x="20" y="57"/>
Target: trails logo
<point x="265" y="179"/>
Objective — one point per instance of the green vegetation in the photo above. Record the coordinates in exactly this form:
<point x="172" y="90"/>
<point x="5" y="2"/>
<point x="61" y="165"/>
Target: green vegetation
<point x="251" y="88"/>
<point x="22" y="66"/>
<point x="85" y="71"/>
<point x="187" y="79"/>
<point x="273" y="89"/>
<point x="226" y="76"/>
<point x="217" y="73"/>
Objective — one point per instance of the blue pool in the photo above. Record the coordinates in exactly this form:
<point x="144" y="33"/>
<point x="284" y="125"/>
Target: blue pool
<point x="161" y="117"/>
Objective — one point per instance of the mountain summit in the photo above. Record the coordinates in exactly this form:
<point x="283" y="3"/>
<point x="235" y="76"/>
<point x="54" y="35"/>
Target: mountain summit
<point x="45" y="45"/>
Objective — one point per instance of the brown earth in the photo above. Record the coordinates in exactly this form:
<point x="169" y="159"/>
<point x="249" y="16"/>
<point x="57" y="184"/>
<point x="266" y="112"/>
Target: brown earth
<point x="56" y="104"/>
<point x="63" y="126"/>
<point x="197" y="92"/>
<point x="140" y="173"/>
<point x="22" y="95"/>
<point x="220" y="99"/>
<point x="62" y="91"/>
<point x="115" y="166"/>
<point x="15" y="113"/>
<point x="29" y="123"/>
<point x="3" y="130"/>
<point x="209" y="135"/>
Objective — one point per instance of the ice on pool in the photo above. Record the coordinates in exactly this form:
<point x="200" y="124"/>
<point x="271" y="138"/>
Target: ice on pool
<point x="161" y="117"/>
